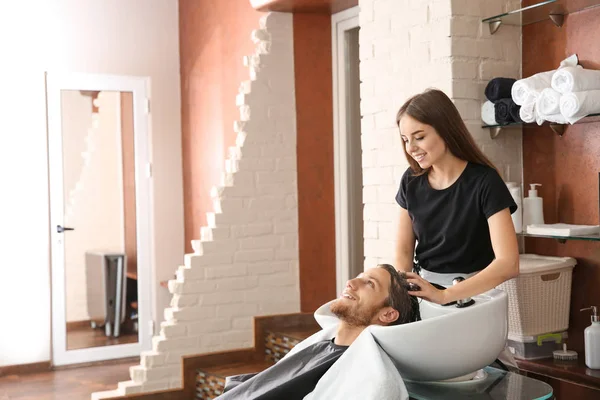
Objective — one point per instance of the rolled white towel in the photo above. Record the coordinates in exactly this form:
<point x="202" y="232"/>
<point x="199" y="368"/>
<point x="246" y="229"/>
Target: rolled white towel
<point x="488" y="114"/>
<point x="575" y="79"/>
<point x="577" y="105"/>
<point x="523" y="88"/>
<point x="548" y="102"/>
<point x="570" y="61"/>
<point x="547" y="107"/>
<point x="527" y="111"/>
<point x="556" y="118"/>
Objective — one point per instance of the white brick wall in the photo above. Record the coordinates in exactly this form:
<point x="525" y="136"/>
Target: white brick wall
<point x="476" y="51"/>
<point x="407" y="46"/>
<point x="246" y="261"/>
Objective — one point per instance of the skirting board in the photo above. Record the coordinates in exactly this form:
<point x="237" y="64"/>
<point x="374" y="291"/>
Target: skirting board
<point x="46" y="366"/>
<point x="25" y="368"/>
<point x="78" y="325"/>
<point x="132" y="360"/>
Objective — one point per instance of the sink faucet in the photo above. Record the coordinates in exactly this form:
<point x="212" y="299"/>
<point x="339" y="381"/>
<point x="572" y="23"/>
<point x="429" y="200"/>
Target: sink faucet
<point x="464" y="302"/>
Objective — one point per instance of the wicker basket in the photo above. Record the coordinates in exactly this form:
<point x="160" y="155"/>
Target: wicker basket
<point x="540" y="297"/>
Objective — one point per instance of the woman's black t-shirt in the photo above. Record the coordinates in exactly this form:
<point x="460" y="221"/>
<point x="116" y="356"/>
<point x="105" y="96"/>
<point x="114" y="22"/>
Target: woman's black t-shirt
<point x="450" y="225"/>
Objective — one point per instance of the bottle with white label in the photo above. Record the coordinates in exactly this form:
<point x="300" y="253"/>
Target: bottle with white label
<point x="591" y="336"/>
<point x="533" y="208"/>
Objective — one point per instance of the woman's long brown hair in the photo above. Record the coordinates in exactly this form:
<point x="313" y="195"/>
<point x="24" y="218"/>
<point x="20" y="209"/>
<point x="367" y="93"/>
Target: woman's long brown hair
<point x="434" y="108"/>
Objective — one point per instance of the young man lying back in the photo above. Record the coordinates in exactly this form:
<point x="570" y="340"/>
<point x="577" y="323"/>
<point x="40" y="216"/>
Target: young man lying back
<point x="378" y="296"/>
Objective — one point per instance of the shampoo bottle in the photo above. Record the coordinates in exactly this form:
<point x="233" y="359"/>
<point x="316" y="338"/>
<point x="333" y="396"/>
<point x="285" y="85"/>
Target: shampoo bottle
<point x="533" y="208"/>
<point x="591" y="337"/>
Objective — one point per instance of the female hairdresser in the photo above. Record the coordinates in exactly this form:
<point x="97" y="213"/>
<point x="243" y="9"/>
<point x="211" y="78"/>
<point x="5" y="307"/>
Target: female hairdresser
<point x="454" y="206"/>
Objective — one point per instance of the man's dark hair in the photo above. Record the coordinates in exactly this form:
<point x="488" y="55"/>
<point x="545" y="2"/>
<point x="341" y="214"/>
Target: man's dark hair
<point x="399" y="299"/>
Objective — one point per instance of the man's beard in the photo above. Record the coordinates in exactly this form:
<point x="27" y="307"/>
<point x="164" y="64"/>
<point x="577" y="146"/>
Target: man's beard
<point x="356" y="316"/>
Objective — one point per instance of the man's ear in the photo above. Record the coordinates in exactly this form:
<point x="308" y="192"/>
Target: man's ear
<point x="388" y="315"/>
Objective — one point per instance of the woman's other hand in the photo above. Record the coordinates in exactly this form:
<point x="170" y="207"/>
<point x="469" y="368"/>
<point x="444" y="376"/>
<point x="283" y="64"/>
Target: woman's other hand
<point x="426" y="290"/>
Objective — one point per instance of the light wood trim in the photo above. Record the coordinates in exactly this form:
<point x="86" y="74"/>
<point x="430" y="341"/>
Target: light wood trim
<point x="128" y="182"/>
<point x="303" y="6"/>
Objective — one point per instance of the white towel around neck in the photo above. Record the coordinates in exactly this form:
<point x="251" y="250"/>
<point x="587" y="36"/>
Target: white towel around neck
<point x="364" y="371"/>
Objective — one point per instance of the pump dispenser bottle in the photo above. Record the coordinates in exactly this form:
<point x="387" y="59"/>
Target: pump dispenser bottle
<point x="533" y="208"/>
<point x="591" y="337"/>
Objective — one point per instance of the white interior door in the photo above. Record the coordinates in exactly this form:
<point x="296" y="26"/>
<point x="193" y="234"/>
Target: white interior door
<point x="100" y="204"/>
<point x="347" y="147"/>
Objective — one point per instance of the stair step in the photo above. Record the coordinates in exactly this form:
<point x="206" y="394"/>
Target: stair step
<point x="296" y="333"/>
<point x="210" y="381"/>
<point x="279" y="343"/>
<point x="237" y="368"/>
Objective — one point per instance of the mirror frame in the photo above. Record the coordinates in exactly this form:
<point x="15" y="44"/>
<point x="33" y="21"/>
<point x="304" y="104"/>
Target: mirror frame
<point x="56" y="82"/>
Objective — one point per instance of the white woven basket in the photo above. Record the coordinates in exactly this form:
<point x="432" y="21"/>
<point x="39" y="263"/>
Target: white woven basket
<point x="540" y="297"/>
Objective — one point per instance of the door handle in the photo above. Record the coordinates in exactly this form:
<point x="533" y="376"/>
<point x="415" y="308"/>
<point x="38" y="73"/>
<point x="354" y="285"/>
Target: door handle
<point x="61" y="229"/>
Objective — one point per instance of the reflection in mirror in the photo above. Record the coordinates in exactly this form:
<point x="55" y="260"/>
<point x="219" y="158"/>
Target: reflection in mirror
<point x="100" y="208"/>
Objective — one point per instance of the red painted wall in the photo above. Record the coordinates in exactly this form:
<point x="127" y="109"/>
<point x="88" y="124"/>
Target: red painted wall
<point x="214" y="35"/>
<point x="314" y="113"/>
<point x="568" y="166"/>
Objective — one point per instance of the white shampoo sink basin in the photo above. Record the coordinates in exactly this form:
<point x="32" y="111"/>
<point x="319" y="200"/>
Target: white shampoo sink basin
<point x="448" y="342"/>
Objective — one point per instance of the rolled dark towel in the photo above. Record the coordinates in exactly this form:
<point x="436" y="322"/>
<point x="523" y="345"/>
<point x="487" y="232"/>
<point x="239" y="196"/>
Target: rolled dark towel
<point x="502" y="111"/>
<point x="514" y="109"/>
<point x="499" y="88"/>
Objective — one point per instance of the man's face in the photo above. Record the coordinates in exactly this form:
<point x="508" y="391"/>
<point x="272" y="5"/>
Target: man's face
<point x="362" y="301"/>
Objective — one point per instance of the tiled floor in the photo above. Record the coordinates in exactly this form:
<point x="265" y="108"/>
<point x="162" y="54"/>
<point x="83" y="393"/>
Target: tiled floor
<point x="67" y="384"/>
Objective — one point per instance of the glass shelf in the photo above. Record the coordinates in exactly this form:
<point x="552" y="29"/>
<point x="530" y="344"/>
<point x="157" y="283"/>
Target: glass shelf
<point x="588" y="118"/>
<point x="562" y="239"/>
<point x="509" y="125"/>
<point x="555" y="10"/>
<point x="497" y="385"/>
<point x="558" y="128"/>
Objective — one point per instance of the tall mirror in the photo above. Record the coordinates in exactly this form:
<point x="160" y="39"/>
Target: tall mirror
<point x="99" y="207"/>
<point x="99" y="211"/>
